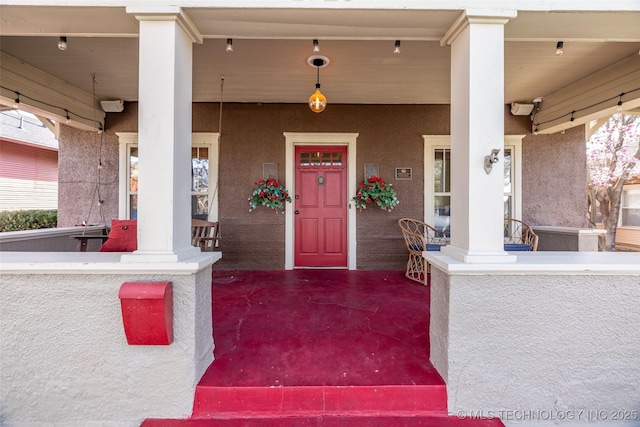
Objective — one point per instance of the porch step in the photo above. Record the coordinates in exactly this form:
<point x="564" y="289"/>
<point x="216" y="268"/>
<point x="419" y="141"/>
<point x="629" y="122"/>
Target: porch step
<point x="332" y="421"/>
<point x="318" y="401"/>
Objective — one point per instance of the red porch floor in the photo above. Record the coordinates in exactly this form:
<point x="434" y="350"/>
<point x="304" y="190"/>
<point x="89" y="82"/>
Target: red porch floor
<point x="321" y="348"/>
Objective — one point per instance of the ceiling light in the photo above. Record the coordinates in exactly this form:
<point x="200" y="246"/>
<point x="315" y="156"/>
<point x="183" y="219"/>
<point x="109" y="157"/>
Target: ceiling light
<point x="317" y="101"/>
<point x="62" y="43"/>
<point x="316" y="48"/>
<point x="559" y="48"/>
<point x="396" y="49"/>
<point x="619" y="106"/>
<point x="229" y="45"/>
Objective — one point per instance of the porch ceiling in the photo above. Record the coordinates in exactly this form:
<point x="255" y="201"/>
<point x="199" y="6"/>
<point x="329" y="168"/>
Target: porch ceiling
<point x="271" y="46"/>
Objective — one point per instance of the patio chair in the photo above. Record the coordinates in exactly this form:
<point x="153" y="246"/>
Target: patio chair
<point x="518" y="236"/>
<point x="205" y="235"/>
<point x="420" y="237"/>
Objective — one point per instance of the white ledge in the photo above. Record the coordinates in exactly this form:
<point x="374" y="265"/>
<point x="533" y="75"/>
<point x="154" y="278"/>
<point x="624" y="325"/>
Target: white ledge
<point x="97" y="263"/>
<point x="568" y="230"/>
<point x="545" y="263"/>
<point x="17" y="236"/>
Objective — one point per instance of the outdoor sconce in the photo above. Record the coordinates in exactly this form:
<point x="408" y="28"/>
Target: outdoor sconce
<point x="490" y="160"/>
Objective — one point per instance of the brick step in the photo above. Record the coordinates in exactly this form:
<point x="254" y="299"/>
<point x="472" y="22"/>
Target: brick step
<point x="332" y="421"/>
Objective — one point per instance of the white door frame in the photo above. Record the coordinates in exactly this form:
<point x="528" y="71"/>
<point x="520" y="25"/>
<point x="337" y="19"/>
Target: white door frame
<point x="292" y="139"/>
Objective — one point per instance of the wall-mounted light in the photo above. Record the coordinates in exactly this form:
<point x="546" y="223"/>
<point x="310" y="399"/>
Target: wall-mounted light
<point x="317" y="101"/>
<point x="559" y="48"/>
<point x="229" y="45"/>
<point x="490" y="160"/>
<point x="396" y="49"/>
<point x="316" y="48"/>
<point x="62" y="43"/>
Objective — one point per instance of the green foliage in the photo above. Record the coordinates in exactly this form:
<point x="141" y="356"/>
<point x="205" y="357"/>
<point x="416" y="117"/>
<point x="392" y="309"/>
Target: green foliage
<point x="375" y="191"/>
<point x="28" y="220"/>
<point x="269" y="193"/>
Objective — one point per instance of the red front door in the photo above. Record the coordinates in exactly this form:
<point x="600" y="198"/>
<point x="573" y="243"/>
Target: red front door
<point x="320" y="206"/>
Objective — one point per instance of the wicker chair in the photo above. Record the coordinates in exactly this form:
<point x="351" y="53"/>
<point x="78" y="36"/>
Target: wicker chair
<point x="517" y="232"/>
<point x="205" y="235"/>
<point x="419" y="237"/>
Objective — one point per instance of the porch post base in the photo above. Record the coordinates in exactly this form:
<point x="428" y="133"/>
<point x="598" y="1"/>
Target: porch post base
<point x="160" y="256"/>
<point x="478" y="257"/>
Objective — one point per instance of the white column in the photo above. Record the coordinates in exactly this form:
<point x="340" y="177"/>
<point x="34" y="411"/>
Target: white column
<point x="164" y="134"/>
<point x="477" y="127"/>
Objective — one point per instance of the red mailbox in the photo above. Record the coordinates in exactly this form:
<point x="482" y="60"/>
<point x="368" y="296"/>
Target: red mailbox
<point x="147" y="312"/>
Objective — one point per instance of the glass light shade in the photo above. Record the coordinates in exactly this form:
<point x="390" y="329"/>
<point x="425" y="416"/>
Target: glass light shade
<point x="317" y="101"/>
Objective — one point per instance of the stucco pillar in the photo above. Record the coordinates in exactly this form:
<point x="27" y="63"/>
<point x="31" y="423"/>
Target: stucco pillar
<point x="164" y="134"/>
<point x="477" y="127"/>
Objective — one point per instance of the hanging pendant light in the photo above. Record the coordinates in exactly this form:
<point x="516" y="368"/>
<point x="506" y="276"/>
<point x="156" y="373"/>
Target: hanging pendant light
<point x="317" y="101"/>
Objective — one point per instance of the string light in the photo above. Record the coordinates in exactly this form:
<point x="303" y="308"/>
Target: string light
<point x="62" y="43"/>
<point x="571" y="114"/>
<point x="619" y="107"/>
<point x="572" y="118"/>
<point x="559" y="48"/>
<point x="68" y="119"/>
<point x="316" y="48"/>
<point x="67" y="113"/>
<point x="396" y="49"/>
<point x="229" y="45"/>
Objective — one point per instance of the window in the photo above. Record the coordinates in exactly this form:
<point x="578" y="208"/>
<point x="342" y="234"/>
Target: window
<point x="441" y="189"/>
<point x="437" y="174"/>
<point x="200" y="182"/>
<point x="630" y="207"/>
<point x="204" y="171"/>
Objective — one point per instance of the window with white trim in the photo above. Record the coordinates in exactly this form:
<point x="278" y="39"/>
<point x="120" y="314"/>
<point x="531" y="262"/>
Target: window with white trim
<point x="437" y="190"/>
<point x="630" y="207"/>
<point x="204" y="172"/>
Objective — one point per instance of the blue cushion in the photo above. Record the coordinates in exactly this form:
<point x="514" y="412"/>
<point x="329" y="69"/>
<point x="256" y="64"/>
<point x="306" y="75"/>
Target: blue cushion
<point x="430" y="247"/>
<point x="517" y="247"/>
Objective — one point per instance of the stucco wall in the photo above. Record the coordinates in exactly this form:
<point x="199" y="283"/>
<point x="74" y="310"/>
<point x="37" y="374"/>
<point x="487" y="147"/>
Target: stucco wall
<point x="529" y="345"/>
<point x="554" y="176"/>
<point x="82" y="182"/>
<point x="252" y="134"/>
<point x="74" y="363"/>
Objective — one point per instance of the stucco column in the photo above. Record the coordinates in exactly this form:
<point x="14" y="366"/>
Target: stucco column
<point x="164" y="134"/>
<point x="477" y="127"/>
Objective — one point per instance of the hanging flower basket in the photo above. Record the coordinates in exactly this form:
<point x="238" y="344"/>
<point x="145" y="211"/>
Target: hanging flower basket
<point x="269" y="193"/>
<point x="374" y="190"/>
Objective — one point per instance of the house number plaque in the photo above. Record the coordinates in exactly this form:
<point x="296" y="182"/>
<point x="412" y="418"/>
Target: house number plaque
<point x="403" y="173"/>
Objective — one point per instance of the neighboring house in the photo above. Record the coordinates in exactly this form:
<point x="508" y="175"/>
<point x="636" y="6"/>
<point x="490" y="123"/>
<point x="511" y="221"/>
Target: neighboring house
<point x="28" y="163"/>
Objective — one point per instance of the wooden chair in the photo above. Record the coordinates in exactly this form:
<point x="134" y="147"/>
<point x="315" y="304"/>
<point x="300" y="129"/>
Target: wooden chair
<point x="420" y="237"/>
<point x="518" y="236"/>
<point x="205" y="235"/>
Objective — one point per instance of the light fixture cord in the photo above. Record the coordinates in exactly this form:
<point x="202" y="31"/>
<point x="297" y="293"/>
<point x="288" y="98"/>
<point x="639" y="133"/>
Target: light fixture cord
<point x="96" y="191"/>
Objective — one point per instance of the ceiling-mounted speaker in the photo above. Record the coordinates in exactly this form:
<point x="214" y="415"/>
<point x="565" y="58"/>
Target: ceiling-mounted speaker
<point x="521" y="109"/>
<point x="112" y="105"/>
